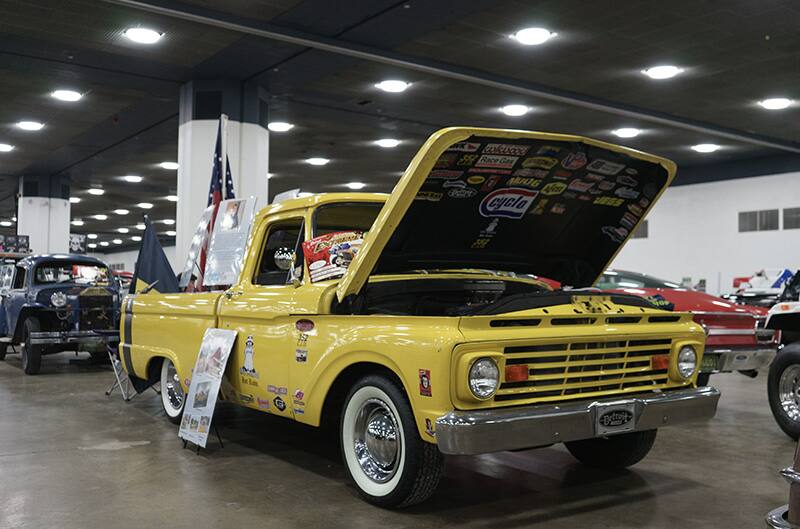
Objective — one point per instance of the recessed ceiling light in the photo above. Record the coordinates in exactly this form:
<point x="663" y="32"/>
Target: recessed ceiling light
<point x="67" y="95"/>
<point x="172" y="198"/>
<point x="168" y="222"/>
<point x="132" y="178"/>
<point x="143" y="35"/>
<point x="74" y="200"/>
<point x="140" y="226"/>
<point x="705" y="147"/>
<point x="387" y="143"/>
<point x="170" y="233"/>
<point x="121" y="211"/>
<point x="317" y="161"/>
<point x="30" y="125"/>
<point x="270" y="175"/>
<point x="14" y="218"/>
<point x="776" y="103"/>
<point x="533" y="36"/>
<point x="145" y="205"/>
<point x="515" y="110"/>
<point x="665" y="71"/>
<point x="96" y="191"/>
<point x="626" y="132"/>
<point x="279" y="126"/>
<point x="356" y="185"/>
<point x="136" y="238"/>
<point x="170" y="166"/>
<point x="92" y="245"/>
<point x="123" y="230"/>
<point x="92" y="235"/>
<point x="6" y="223"/>
<point x="104" y="243"/>
<point x="5" y="147"/>
<point x="77" y="222"/>
<point x="394" y="86"/>
<point x="117" y="241"/>
<point x="101" y="216"/>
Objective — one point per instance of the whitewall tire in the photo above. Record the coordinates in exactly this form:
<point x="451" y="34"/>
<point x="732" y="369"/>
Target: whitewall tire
<point x="173" y="397"/>
<point x="385" y="457"/>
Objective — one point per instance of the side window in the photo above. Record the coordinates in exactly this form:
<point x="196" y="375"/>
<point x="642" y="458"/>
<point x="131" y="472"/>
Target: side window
<point x="19" y="278"/>
<point x="283" y="239"/>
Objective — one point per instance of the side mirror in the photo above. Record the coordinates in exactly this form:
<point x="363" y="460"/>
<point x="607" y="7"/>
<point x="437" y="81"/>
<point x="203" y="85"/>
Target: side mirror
<point x="284" y="258"/>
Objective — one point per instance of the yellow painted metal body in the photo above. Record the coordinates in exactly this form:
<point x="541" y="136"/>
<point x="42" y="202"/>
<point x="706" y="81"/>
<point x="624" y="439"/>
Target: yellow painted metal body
<point x="172" y="325"/>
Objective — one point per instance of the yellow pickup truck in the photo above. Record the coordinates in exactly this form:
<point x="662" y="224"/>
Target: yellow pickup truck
<point x="417" y="320"/>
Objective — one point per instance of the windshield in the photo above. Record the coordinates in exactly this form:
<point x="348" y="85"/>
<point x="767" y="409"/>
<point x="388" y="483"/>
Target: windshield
<point x="612" y="279"/>
<point x="347" y="216"/>
<point x="52" y="273"/>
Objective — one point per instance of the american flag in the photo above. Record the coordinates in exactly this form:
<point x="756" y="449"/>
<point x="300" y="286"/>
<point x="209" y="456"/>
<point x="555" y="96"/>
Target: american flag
<point x="215" y="192"/>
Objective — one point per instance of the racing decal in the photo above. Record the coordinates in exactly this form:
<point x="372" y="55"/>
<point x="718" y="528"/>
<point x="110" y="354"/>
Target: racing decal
<point x="541" y="162"/>
<point x="462" y="193"/>
<point x="560" y="174"/>
<point x="445" y="175"/>
<point x="616" y="234"/>
<point x="531" y="173"/>
<point x="660" y="302"/>
<point x="489" y="231"/>
<point x="594" y="177"/>
<point x="298" y="396"/>
<point x="628" y="220"/>
<point x="329" y="255"/>
<point x="476" y="179"/>
<point x="454" y="183"/>
<point x="554" y="188"/>
<point x="490" y="183"/>
<point x="278" y="402"/>
<point x="262" y="403"/>
<point x="626" y="192"/>
<point x="605" y="185"/>
<point x="279" y="390"/>
<point x="298" y="411"/>
<point x="580" y="185"/>
<point x="558" y="208"/>
<point x="480" y="243"/>
<point x="548" y="150"/>
<point x="446" y="160"/>
<point x="430" y="196"/>
<point x="626" y="180"/>
<point x="609" y="201"/>
<point x="429" y="427"/>
<point x="585" y="198"/>
<point x="249" y="375"/>
<point x="464" y="146"/>
<point x="636" y="210"/>
<point x="301" y="355"/>
<point x="496" y="162"/>
<point x="644" y="202"/>
<point x="511" y="202"/>
<point x="510" y="149"/>
<point x="540" y="207"/>
<point x="425" y="382"/>
<point x="518" y="181"/>
<point x="467" y="159"/>
<point x="574" y="160"/>
<point x="245" y="398"/>
<point x="488" y="170"/>
<point x="304" y="325"/>
<point x="605" y="167"/>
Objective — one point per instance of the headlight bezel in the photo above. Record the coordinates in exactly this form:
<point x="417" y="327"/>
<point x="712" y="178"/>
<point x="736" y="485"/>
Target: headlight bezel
<point x="679" y="361"/>
<point x="480" y="363"/>
<point x="58" y="299"/>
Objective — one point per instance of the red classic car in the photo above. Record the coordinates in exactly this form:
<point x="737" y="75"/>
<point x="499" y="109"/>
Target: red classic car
<point x="737" y="339"/>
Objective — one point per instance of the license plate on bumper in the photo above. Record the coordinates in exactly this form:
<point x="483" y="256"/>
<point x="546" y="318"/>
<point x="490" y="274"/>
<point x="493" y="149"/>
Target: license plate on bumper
<point x="614" y="418"/>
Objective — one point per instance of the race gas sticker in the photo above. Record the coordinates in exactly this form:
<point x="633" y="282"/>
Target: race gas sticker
<point x="465" y="146"/>
<point x="554" y="188"/>
<point x="511" y="202"/>
<point x="496" y="162"/>
<point x="574" y="160"/>
<point x="425" y="382"/>
<point x="506" y="148"/>
<point x="605" y="167"/>
<point x="541" y="162"/>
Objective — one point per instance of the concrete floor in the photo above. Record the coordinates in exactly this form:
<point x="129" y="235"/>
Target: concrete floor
<point x="72" y="458"/>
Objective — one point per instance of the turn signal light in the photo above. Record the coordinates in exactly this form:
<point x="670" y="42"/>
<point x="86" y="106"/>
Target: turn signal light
<point x="517" y="373"/>
<point x="660" y="361"/>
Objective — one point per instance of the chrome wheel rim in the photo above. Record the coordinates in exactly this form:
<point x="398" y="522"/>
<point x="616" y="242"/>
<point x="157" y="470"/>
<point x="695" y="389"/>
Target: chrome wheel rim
<point x="173" y="387"/>
<point x="789" y="392"/>
<point x="377" y="444"/>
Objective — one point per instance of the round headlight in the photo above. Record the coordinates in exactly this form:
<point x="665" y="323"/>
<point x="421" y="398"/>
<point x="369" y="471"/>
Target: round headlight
<point x="484" y="377"/>
<point x="687" y="361"/>
<point x="58" y="299"/>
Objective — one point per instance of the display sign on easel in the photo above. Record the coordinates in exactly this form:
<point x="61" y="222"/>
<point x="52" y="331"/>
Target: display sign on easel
<point x="206" y="380"/>
<point x="228" y="241"/>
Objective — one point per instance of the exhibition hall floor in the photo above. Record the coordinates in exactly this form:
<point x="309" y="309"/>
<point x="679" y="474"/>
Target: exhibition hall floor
<point x="72" y="458"/>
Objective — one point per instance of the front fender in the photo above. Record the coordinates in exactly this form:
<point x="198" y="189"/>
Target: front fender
<point x="28" y="309"/>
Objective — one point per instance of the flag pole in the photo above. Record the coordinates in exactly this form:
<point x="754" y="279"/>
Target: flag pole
<point x="223" y="119"/>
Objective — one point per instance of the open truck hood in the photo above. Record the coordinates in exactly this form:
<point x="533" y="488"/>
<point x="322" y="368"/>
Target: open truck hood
<point x="553" y="205"/>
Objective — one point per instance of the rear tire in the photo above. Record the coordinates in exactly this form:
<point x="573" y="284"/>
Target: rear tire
<point x="387" y="461"/>
<point x="31" y="354"/>
<point x="613" y="452"/>
<point x="172" y="396"/>
<point x="783" y="389"/>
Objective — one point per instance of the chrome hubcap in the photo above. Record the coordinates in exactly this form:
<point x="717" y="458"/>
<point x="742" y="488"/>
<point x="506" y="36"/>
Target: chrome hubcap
<point x="173" y="387"/>
<point x="376" y="442"/>
<point x="789" y="392"/>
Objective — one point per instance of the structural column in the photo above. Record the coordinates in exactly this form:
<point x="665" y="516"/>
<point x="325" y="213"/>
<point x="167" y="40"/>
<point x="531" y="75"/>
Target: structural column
<point x="43" y="213"/>
<point x="201" y="103"/>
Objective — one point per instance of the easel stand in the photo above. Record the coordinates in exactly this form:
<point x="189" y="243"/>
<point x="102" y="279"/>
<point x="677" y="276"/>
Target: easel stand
<point x="197" y="447"/>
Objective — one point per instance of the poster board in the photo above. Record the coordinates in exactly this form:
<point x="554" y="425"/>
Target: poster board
<point x="204" y="389"/>
<point x="228" y="241"/>
<point x="77" y="243"/>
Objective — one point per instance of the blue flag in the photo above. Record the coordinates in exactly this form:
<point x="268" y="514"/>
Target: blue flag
<point x="152" y="265"/>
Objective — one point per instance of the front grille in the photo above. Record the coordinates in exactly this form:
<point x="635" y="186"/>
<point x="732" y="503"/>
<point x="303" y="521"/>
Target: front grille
<point x="580" y="369"/>
<point x="96" y="313"/>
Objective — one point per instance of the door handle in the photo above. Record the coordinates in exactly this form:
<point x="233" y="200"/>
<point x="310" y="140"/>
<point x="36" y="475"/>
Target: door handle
<point x="230" y="294"/>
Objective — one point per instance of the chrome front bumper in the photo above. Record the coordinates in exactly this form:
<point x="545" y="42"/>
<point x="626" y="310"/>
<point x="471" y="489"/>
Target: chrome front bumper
<point x="499" y="429"/>
<point x="66" y="337"/>
<point x="726" y="359"/>
<point x="776" y="519"/>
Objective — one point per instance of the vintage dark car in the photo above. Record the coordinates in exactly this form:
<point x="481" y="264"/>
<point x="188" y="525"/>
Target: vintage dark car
<point x="54" y="303"/>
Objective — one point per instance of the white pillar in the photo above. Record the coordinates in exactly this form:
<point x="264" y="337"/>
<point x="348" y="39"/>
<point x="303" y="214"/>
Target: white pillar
<point x="42" y="217"/>
<point x="247" y="148"/>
